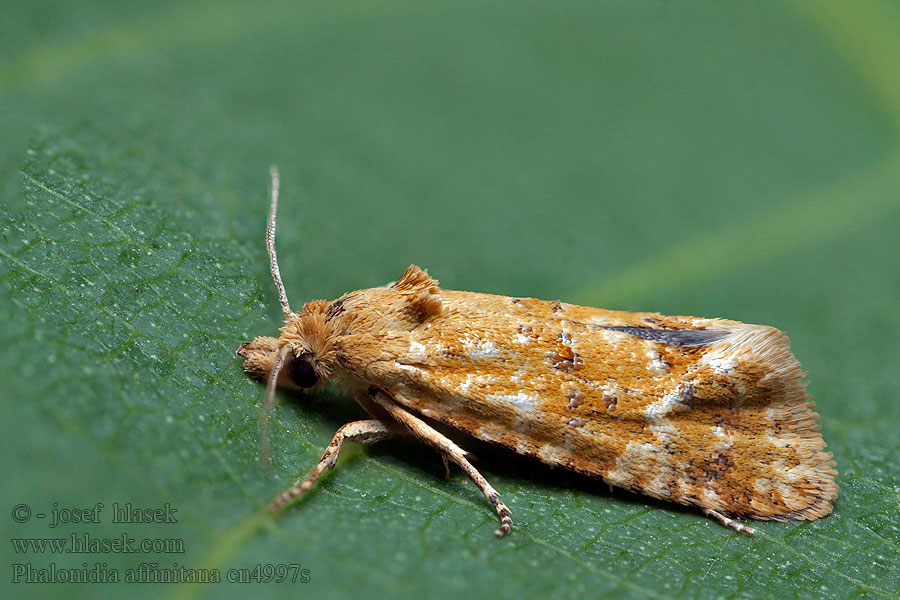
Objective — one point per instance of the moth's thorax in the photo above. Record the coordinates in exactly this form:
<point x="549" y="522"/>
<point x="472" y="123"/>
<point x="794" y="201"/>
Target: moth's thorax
<point x="346" y="336"/>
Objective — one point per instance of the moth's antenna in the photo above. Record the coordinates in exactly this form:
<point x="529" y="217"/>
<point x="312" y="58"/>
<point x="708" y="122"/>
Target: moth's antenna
<point x="265" y="444"/>
<point x="270" y="244"/>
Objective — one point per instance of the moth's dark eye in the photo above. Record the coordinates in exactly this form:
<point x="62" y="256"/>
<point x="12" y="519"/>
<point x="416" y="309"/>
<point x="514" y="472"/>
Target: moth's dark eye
<point x="302" y="373"/>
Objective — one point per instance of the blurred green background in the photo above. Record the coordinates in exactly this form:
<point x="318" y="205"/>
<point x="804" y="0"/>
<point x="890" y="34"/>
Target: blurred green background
<point x="718" y="159"/>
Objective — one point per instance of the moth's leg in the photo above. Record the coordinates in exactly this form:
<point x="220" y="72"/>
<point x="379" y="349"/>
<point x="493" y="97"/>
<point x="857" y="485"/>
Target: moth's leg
<point x="728" y="522"/>
<point x="365" y="432"/>
<point x="448" y="449"/>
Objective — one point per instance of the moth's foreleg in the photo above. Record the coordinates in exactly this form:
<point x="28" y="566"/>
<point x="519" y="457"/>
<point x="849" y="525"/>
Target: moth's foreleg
<point x="448" y="449"/>
<point x="365" y="432"/>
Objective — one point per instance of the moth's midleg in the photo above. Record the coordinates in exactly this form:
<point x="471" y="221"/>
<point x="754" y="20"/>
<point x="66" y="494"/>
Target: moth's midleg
<point x="365" y="432"/>
<point x="448" y="449"/>
<point x="728" y="522"/>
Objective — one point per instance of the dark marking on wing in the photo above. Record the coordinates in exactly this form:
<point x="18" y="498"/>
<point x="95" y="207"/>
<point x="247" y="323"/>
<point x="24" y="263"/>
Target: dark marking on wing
<point x="575" y="398"/>
<point x="674" y="337"/>
<point x="336" y="307"/>
<point x="610" y="401"/>
<point x="564" y="360"/>
<point x="686" y="396"/>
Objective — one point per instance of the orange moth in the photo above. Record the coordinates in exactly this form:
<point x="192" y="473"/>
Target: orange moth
<point x="710" y="413"/>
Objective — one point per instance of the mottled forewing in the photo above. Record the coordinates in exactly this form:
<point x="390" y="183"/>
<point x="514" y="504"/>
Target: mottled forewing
<point x="700" y="411"/>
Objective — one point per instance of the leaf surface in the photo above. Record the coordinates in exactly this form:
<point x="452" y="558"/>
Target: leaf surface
<point x="714" y="160"/>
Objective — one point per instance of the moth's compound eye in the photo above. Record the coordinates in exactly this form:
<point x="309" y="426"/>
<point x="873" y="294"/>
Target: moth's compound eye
<point x="302" y="373"/>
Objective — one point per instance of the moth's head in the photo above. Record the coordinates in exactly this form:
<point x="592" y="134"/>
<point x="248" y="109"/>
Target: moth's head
<point x="305" y="348"/>
<point x="298" y="371"/>
<point x="302" y="356"/>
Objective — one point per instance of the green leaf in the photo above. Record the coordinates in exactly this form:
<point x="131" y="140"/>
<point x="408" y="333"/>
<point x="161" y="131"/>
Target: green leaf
<point x="700" y="159"/>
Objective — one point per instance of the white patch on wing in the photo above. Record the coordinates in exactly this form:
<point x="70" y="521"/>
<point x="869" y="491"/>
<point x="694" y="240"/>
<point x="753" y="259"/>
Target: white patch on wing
<point x="520" y="401"/>
<point x="522" y="339"/>
<point x="665" y="432"/>
<point x="763" y="484"/>
<point x="473" y="380"/>
<point x="635" y="458"/>
<point x="720" y="364"/>
<point x="417" y="351"/>
<point x="659" y="409"/>
<point x="724" y="445"/>
<point x="642" y="459"/>
<point x="409" y="368"/>
<point x="656" y="366"/>
<point x="478" y="350"/>
<point x="613" y="338"/>
<point x="671" y="401"/>
<point x="710" y="497"/>
<point x="551" y="454"/>
<point x="601" y="321"/>
<point x="787" y="473"/>
<point x="610" y="389"/>
<point x="480" y="433"/>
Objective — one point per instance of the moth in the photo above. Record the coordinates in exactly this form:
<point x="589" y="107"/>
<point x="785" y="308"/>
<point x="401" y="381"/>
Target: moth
<point x="710" y="413"/>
